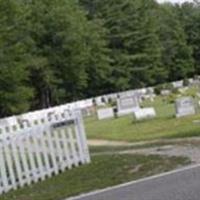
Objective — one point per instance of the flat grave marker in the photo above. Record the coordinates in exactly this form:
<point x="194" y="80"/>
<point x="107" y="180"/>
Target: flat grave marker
<point x="105" y="113"/>
<point x="177" y="84"/>
<point x="145" y="113"/>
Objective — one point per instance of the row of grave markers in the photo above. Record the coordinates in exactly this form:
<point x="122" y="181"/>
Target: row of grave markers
<point x="184" y="106"/>
<point x="126" y="106"/>
<point x="146" y="93"/>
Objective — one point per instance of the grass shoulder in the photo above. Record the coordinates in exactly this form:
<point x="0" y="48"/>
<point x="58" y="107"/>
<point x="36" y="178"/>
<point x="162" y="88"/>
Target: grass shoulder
<point x="104" y="171"/>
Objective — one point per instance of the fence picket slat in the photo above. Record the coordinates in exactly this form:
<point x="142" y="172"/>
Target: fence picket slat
<point x="58" y="149"/>
<point x="24" y="162"/>
<point x="45" y="154"/>
<point x="33" y="168"/>
<point x="80" y="147"/>
<point x="82" y="134"/>
<point x="66" y="150"/>
<point x="10" y="167"/>
<point x="73" y="147"/>
<point x="52" y="151"/>
<point x="3" y="172"/>
<point x="40" y="169"/>
<point x="17" y="162"/>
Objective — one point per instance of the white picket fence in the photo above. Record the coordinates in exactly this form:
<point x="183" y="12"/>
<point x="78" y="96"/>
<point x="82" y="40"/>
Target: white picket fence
<point x="37" y="149"/>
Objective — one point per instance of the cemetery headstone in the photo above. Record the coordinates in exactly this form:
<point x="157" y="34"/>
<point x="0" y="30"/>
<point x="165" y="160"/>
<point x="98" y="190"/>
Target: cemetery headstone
<point x="150" y="91"/>
<point x="183" y="90"/>
<point x="99" y="102"/>
<point x="198" y="94"/>
<point x="145" y="113"/>
<point x="165" y="92"/>
<point x="184" y="106"/>
<point x="150" y="94"/>
<point x="105" y="113"/>
<point x="177" y="84"/>
<point x="190" y="81"/>
<point x="127" y="105"/>
<point x="196" y="83"/>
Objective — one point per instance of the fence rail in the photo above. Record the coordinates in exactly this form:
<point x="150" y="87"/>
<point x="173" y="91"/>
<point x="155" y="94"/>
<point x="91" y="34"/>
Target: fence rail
<point x="41" y="148"/>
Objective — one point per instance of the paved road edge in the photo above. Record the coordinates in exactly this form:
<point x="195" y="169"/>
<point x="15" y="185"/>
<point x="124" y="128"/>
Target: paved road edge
<point x="134" y="182"/>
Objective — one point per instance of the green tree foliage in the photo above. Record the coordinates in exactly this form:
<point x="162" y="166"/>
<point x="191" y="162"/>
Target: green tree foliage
<point x="98" y="68"/>
<point x="55" y="51"/>
<point x="69" y="54"/>
<point x="176" y="53"/>
<point x="132" y="39"/>
<point x="58" y="66"/>
<point x="14" y="56"/>
<point x="189" y="14"/>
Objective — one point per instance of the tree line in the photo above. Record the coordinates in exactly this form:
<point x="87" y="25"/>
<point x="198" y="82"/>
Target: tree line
<point x="55" y="51"/>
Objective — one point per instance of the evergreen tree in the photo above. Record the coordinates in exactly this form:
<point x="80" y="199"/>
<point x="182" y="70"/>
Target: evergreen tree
<point x="14" y="45"/>
<point x="69" y="58"/>
<point x="176" y="53"/>
<point x="133" y="40"/>
<point x="189" y="14"/>
<point x="56" y="51"/>
<point x="98" y="64"/>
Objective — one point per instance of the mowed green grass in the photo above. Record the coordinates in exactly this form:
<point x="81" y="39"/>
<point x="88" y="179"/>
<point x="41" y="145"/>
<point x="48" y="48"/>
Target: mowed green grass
<point x="104" y="171"/>
<point x="165" y="125"/>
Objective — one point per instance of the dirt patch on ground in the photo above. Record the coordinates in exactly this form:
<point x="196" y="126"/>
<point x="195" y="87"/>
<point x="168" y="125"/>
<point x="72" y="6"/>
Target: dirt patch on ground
<point x="193" y="153"/>
<point x="178" y="147"/>
<point x="107" y="143"/>
<point x="193" y="140"/>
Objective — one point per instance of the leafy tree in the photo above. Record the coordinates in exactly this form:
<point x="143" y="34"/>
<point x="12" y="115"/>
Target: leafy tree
<point x="189" y="14"/>
<point x="69" y="53"/>
<point x="55" y="51"/>
<point x="14" y="45"/>
<point x="132" y="39"/>
<point x="176" y="53"/>
<point x="98" y="67"/>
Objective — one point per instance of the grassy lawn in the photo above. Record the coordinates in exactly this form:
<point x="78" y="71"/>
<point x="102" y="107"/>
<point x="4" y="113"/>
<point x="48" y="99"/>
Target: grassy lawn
<point x="164" y="126"/>
<point x="105" y="170"/>
<point x="108" y="170"/>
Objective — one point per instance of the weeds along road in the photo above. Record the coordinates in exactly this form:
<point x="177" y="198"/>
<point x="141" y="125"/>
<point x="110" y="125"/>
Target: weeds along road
<point x="183" y="184"/>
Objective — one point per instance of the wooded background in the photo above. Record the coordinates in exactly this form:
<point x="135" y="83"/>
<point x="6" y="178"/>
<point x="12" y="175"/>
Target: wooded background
<point x="55" y="51"/>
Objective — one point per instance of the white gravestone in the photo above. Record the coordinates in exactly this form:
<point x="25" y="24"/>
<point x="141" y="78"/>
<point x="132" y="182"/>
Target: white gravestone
<point x="145" y="113"/>
<point x="99" y="102"/>
<point x="198" y="94"/>
<point x="105" y="113"/>
<point x="165" y="92"/>
<point x="177" y="84"/>
<point x="127" y="105"/>
<point x="184" y="106"/>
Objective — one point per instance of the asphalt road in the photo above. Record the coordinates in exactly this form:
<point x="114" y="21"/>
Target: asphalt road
<point x="178" y="185"/>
